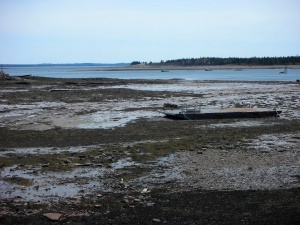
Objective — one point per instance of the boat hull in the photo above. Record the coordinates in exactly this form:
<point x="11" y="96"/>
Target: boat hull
<point x="222" y="113"/>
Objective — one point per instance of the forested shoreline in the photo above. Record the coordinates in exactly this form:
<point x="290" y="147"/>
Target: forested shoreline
<point x="216" y="61"/>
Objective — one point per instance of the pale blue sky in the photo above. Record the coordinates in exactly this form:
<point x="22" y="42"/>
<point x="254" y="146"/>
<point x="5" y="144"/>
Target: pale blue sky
<point x="102" y="31"/>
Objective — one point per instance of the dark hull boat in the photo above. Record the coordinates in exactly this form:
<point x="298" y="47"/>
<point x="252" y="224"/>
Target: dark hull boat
<point x="226" y="113"/>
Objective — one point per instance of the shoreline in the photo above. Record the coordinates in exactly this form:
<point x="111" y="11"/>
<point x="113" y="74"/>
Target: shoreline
<point x="219" y="67"/>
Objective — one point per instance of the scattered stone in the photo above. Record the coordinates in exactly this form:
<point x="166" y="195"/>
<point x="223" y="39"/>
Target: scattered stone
<point x="150" y="204"/>
<point x="36" y="187"/>
<point x="46" y="165"/>
<point x="53" y="216"/>
<point x="82" y="164"/>
<point x="144" y="191"/>
<point x="77" y="197"/>
<point x="265" y="151"/>
<point x="282" y="150"/>
<point x="130" y="197"/>
<point x="3" y="213"/>
<point x="66" y="161"/>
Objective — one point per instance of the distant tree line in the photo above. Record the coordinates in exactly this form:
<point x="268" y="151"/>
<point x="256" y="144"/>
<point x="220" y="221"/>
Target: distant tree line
<point x="215" y="61"/>
<point x="135" y="63"/>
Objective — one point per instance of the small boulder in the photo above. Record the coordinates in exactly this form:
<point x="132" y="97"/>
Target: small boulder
<point x="53" y="216"/>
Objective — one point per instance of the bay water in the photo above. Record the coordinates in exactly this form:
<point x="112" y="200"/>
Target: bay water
<point x="64" y="71"/>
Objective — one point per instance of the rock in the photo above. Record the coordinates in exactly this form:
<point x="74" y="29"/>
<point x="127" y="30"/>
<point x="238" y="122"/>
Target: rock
<point x="282" y="150"/>
<point x="66" y="161"/>
<point x="37" y="187"/>
<point x="144" y="191"/>
<point x="3" y="213"/>
<point x="46" y="165"/>
<point x="130" y="197"/>
<point x="82" y="164"/>
<point x="150" y="204"/>
<point x="53" y="216"/>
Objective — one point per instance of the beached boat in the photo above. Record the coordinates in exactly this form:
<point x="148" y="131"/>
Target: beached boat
<point x="220" y="113"/>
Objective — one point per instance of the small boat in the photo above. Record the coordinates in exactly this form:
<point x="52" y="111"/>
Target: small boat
<point x="206" y="69"/>
<point x="164" y="71"/>
<point x="284" y="71"/>
<point x="222" y="113"/>
<point x="4" y="75"/>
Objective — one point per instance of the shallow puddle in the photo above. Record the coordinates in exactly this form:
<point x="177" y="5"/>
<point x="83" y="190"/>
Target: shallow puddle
<point x="83" y="180"/>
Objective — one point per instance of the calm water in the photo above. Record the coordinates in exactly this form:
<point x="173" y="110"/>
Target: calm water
<point x="82" y="72"/>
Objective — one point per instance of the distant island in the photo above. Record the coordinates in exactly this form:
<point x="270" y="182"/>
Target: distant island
<point x="68" y="64"/>
<point x="216" y="61"/>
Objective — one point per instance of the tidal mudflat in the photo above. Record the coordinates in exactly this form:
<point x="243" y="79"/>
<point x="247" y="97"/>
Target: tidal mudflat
<point x="98" y="151"/>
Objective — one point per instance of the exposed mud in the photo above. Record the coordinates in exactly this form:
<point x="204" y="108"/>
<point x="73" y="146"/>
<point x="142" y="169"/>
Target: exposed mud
<point x="93" y="144"/>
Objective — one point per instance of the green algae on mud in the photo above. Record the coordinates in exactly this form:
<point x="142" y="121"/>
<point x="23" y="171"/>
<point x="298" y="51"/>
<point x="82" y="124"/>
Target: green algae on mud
<point x="140" y="131"/>
<point x="166" y="137"/>
<point x="18" y="180"/>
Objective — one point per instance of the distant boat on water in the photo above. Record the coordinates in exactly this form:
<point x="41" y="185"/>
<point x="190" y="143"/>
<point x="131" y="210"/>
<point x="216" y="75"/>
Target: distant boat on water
<point x="164" y="71"/>
<point x="284" y="71"/>
<point x="206" y="69"/>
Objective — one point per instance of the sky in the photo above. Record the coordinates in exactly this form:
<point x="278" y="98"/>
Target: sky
<point x="102" y="31"/>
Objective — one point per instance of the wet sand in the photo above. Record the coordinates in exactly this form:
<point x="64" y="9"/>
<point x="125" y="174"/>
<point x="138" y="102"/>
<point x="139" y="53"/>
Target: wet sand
<point x="98" y="149"/>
